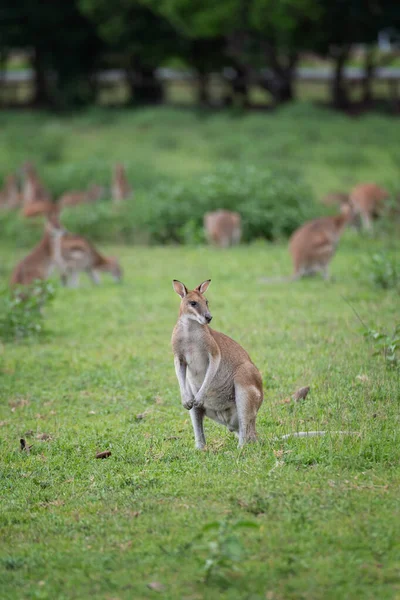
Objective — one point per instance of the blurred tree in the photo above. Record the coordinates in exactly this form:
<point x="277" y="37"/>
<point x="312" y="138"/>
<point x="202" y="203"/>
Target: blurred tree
<point x="62" y="43"/>
<point x="342" y="24"/>
<point x="141" y="39"/>
<point x="257" y="33"/>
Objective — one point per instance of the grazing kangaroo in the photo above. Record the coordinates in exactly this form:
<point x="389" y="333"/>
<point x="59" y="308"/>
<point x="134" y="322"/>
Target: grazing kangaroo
<point x="9" y="195"/>
<point x="223" y="228"/>
<point x="94" y="192"/>
<point x="76" y="254"/>
<point x="39" y="263"/>
<point x="335" y="198"/>
<point x="120" y="187"/>
<point x="216" y="376"/>
<point x="368" y="200"/>
<point x="313" y="245"/>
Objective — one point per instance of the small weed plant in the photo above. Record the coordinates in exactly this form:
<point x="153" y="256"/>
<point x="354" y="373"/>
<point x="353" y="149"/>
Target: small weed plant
<point x="21" y="310"/>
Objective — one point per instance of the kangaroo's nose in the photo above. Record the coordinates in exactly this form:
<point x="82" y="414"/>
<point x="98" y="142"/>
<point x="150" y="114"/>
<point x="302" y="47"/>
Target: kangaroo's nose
<point x="208" y="317"/>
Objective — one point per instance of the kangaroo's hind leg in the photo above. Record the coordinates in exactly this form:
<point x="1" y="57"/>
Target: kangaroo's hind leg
<point x="248" y="397"/>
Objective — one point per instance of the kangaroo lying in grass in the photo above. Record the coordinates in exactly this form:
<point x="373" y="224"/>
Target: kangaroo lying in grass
<point x="216" y="376"/>
<point x="93" y="193"/>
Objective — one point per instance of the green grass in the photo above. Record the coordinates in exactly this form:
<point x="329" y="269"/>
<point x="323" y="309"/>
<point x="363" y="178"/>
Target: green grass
<point x="327" y="513"/>
<point x="333" y="151"/>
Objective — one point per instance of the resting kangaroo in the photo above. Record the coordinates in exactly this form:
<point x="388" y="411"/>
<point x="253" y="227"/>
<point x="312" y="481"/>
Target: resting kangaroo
<point x="216" y="376"/>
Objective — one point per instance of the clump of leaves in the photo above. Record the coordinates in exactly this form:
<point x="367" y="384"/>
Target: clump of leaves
<point x="387" y="345"/>
<point x="21" y="310"/>
<point x="384" y="271"/>
<point x="224" y="548"/>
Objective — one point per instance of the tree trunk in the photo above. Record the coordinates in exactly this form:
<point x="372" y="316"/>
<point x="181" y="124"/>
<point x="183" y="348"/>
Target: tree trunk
<point x="144" y="86"/>
<point x="369" y="69"/>
<point x="340" y="97"/>
<point x="240" y="88"/>
<point x="3" y="63"/>
<point x="41" y="95"/>
<point x="280" y="84"/>
<point x="203" y="96"/>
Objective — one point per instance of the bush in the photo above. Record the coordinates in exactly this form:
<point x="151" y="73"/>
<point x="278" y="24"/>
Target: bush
<point x="272" y="204"/>
<point x="21" y="310"/>
<point x="384" y="271"/>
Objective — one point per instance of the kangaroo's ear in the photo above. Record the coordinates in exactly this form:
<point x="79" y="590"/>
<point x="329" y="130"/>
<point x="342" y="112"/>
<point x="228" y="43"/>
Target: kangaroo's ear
<point x="180" y="289"/>
<point x="203" y="287"/>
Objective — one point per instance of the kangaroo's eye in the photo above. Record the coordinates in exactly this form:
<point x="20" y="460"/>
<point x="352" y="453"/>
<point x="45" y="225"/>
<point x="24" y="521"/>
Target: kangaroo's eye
<point x="193" y="303"/>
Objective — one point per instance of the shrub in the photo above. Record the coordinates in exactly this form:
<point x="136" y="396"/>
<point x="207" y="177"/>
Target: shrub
<point x="21" y="310"/>
<point x="384" y="271"/>
<point x="386" y="345"/>
<point x="272" y="203"/>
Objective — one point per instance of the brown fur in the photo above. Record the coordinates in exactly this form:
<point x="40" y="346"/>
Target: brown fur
<point x="368" y="201"/>
<point x="120" y="186"/>
<point x="335" y="198"/>
<point x="9" y="195"/>
<point x="313" y="245"/>
<point x="36" y="199"/>
<point x="93" y="193"/>
<point x="77" y="255"/>
<point x="216" y="376"/>
<point x="223" y="228"/>
<point x="39" y="263"/>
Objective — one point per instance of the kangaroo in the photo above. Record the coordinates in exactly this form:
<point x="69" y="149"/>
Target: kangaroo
<point x="216" y="376"/>
<point x="94" y="192"/>
<point x="223" y="228"/>
<point x="9" y="195"/>
<point x="368" y="200"/>
<point x="120" y="186"/>
<point x="33" y="189"/>
<point x="36" y="199"/>
<point x="313" y="245"/>
<point x="335" y="198"/>
<point x="76" y="254"/>
<point x="39" y="263"/>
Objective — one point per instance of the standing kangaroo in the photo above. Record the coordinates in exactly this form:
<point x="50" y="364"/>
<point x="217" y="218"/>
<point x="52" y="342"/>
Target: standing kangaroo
<point x="313" y="245"/>
<point x="223" y="228"/>
<point x="39" y="263"/>
<point x="367" y="200"/>
<point x="216" y="376"/>
<point x="36" y="199"/>
<point x="120" y="189"/>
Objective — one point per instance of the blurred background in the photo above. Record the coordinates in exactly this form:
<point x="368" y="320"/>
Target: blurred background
<point x="258" y="106"/>
<point x="258" y="53"/>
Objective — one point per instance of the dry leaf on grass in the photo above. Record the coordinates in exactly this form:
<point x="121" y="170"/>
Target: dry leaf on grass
<point x="301" y="393"/>
<point x="156" y="586"/>
<point x="104" y="454"/>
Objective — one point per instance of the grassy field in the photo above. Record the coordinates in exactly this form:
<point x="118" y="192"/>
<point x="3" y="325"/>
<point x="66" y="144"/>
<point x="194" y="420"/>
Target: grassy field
<point x="333" y="151"/>
<point x="313" y="519"/>
<point x="325" y="510"/>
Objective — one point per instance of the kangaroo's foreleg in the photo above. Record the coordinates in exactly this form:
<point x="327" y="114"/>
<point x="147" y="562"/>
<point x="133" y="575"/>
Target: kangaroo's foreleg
<point x="180" y="370"/>
<point x="213" y="364"/>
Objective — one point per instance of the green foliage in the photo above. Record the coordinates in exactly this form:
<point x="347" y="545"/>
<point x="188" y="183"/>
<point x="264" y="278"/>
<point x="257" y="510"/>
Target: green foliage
<point x="386" y="345"/>
<point x="21" y="310"/>
<point x="383" y="270"/>
<point x="225" y="549"/>
<point x="272" y="203"/>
